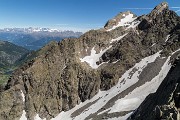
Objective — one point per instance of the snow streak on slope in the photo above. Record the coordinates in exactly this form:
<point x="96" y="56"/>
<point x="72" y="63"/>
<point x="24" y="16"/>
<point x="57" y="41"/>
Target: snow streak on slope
<point x="103" y="97"/>
<point x="118" y="38"/>
<point x="175" y="51"/>
<point x="167" y="38"/>
<point x="23" y="116"/>
<point x="94" y="57"/>
<point x="22" y="94"/>
<point x="126" y="21"/>
<point x="137" y="96"/>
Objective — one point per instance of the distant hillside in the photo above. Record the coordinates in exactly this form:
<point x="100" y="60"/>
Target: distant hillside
<point x="10" y="55"/>
<point x="33" y="39"/>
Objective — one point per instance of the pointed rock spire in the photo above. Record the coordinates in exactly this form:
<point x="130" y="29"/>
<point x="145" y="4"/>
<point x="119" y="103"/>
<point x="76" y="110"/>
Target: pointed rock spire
<point x="158" y="9"/>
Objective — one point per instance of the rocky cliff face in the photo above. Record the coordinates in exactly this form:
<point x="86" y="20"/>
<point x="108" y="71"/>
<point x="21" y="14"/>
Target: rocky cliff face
<point x="103" y="74"/>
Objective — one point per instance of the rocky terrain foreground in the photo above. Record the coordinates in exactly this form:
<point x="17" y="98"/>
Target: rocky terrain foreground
<point x="127" y="70"/>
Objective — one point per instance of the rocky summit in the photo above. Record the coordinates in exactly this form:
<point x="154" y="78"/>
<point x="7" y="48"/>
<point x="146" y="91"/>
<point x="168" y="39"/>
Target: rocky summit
<point x="127" y="70"/>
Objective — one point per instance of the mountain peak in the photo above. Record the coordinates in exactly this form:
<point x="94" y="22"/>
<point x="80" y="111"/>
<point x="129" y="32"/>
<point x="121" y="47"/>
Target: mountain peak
<point x="159" y="8"/>
<point x="120" y="20"/>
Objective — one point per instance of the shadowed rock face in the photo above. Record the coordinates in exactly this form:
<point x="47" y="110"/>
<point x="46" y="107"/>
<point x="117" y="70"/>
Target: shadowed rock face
<point x="165" y="103"/>
<point x="57" y="80"/>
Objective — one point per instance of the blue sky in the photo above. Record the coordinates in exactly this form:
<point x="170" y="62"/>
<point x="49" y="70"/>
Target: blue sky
<point x="78" y="15"/>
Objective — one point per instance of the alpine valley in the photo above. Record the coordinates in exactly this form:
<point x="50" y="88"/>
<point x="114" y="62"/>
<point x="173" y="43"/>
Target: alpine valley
<point x="130" y="69"/>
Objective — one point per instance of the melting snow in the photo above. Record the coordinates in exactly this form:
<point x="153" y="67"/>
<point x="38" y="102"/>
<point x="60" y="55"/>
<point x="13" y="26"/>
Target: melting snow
<point x="126" y="21"/>
<point x="94" y="57"/>
<point x="118" y="38"/>
<point x="105" y="96"/>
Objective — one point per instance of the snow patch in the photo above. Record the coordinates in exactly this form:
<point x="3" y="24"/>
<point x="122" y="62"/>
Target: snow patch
<point x="23" y="97"/>
<point x="126" y="22"/>
<point x="38" y="118"/>
<point x="153" y="44"/>
<point x="118" y="38"/>
<point x="23" y="116"/>
<point x="175" y="51"/>
<point x="94" y="57"/>
<point x="134" y="24"/>
<point x="125" y="105"/>
<point x="167" y="38"/>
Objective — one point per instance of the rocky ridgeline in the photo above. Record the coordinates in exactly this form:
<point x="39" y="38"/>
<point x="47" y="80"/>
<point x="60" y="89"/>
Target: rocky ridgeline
<point x="58" y="79"/>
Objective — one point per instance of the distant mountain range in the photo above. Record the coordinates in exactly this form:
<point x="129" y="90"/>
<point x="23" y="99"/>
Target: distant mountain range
<point x="65" y="33"/>
<point x="35" y="38"/>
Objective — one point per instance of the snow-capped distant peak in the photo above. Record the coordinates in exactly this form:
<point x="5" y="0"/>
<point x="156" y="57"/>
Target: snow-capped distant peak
<point x="30" y="30"/>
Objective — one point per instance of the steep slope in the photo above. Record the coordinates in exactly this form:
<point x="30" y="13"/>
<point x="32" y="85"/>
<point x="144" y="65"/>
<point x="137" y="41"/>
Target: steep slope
<point x="104" y="74"/>
<point x="165" y="103"/>
<point x="10" y="55"/>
